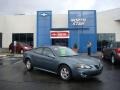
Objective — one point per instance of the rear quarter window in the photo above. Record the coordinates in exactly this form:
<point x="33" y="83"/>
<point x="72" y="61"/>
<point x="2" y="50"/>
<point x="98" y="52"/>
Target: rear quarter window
<point x="38" y="50"/>
<point x="48" y="52"/>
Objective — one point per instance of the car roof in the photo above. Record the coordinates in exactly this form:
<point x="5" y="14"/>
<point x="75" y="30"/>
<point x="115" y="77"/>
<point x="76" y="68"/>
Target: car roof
<point x="53" y="46"/>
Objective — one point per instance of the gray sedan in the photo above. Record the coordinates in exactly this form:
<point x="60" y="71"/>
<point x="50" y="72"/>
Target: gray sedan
<point x="62" y="61"/>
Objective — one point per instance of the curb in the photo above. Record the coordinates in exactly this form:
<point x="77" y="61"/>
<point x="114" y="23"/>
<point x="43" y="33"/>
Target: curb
<point x="11" y="55"/>
<point x="3" y="55"/>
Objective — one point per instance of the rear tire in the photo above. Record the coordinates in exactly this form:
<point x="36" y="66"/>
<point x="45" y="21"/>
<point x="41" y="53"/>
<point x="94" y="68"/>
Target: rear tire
<point x="65" y="72"/>
<point x="29" y="65"/>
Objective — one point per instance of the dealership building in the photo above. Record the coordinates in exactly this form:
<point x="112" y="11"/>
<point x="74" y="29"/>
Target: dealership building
<point x="77" y="27"/>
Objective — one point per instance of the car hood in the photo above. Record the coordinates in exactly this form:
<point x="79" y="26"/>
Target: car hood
<point x="82" y="59"/>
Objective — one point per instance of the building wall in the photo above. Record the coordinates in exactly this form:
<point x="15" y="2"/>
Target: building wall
<point x="60" y="21"/>
<point x="106" y="22"/>
<point x="26" y="24"/>
<point x="82" y="24"/>
<point x="2" y="23"/>
<point x="16" y="24"/>
<point x="44" y="23"/>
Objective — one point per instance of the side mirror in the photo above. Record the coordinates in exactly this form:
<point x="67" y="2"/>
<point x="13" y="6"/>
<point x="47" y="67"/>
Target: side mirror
<point x="51" y="55"/>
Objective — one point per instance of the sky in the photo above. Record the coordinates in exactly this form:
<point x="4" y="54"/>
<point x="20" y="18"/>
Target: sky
<point x="57" y="6"/>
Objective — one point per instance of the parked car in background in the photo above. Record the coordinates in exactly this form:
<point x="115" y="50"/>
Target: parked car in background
<point x="62" y="61"/>
<point x="19" y="48"/>
<point x="112" y="52"/>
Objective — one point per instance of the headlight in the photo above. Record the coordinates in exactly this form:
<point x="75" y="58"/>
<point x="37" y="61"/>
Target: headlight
<point x="118" y="54"/>
<point x="83" y="66"/>
<point x="26" y="47"/>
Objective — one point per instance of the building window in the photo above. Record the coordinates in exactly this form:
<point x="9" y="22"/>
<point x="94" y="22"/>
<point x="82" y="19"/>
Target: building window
<point x="23" y="37"/>
<point x="104" y="40"/>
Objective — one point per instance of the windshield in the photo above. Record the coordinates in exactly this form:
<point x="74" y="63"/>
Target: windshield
<point x="23" y="44"/>
<point x="64" y="51"/>
<point x="114" y="45"/>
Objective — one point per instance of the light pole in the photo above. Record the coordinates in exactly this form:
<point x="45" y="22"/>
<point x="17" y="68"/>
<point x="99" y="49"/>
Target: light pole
<point x="14" y="44"/>
<point x="78" y="40"/>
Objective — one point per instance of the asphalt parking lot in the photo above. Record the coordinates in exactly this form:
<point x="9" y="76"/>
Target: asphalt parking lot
<point x="14" y="76"/>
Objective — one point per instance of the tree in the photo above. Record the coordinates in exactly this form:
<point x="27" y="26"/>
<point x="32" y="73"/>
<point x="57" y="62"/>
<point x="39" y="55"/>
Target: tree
<point x="75" y="46"/>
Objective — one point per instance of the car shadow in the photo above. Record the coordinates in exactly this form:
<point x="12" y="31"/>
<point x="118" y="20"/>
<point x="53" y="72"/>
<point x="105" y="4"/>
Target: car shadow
<point x="38" y="75"/>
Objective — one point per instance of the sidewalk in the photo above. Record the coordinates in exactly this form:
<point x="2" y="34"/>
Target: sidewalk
<point x="11" y="55"/>
<point x="97" y="54"/>
<point x="4" y="52"/>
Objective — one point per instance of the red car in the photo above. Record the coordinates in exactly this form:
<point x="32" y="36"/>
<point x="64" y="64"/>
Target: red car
<point x="112" y="53"/>
<point x="19" y="48"/>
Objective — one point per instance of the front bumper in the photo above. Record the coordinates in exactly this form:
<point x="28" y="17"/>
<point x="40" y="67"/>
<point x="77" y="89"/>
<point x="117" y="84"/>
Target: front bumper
<point x="27" y="49"/>
<point x="117" y="57"/>
<point x="86" y="73"/>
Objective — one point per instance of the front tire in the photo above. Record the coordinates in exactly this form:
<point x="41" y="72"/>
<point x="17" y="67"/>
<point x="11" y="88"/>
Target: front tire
<point x="21" y="51"/>
<point x="113" y="59"/>
<point x="29" y="65"/>
<point x="10" y="50"/>
<point x="102" y="56"/>
<point x="65" y="72"/>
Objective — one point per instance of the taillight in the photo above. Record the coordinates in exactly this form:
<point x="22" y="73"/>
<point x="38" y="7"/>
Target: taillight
<point x="117" y="50"/>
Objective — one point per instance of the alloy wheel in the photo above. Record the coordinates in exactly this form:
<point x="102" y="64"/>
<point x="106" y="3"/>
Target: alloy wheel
<point x="28" y="65"/>
<point x="21" y="51"/>
<point x="10" y="50"/>
<point x="102" y="56"/>
<point x="113" y="59"/>
<point x="65" y="73"/>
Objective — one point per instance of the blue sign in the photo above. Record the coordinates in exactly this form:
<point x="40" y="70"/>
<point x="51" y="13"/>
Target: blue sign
<point x="81" y="18"/>
<point x="43" y="28"/>
<point x="82" y="26"/>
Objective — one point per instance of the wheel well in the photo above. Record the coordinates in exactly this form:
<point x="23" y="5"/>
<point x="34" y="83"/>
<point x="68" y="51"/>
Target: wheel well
<point x="26" y="59"/>
<point x="112" y="53"/>
<point x="21" y="49"/>
<point x="62" y="65"/>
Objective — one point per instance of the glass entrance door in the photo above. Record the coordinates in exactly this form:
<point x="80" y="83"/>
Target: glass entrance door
<point x="23" y="37"/>
<point x="61" y="42"/>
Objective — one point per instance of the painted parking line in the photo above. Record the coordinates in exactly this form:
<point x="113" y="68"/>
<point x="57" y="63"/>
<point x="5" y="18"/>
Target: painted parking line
<point x="3" y="55"/>
<point x="11" y="59"/>
<point x="18" y="62"/>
